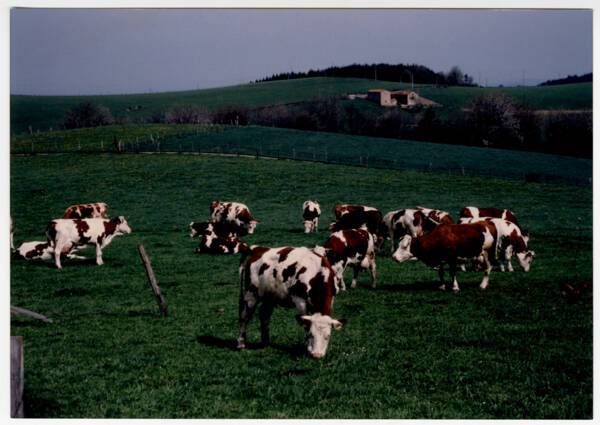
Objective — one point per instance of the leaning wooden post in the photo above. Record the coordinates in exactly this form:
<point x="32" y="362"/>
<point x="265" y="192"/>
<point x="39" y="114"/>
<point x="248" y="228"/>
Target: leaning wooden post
<point x="16" y="377"/>
<point x="24" y="312"/>
<point x="162" y="304"/>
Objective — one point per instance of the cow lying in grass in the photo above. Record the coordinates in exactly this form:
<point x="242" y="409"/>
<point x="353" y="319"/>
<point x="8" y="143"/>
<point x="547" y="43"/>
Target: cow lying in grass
<point x="41" y="250"/>
<point x="299" y="278"/>
<point x="93" y="210"/>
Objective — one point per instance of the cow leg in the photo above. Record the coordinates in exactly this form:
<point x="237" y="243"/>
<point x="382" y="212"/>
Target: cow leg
<point x="441" y="275"/>
<point x="58" y="247"/>
<point x="373" y="270"/>
<point x="316" y="225"/>
<point x="486" y="273"/>
<point x="452" y="268"/>
<point x="355" y="270"/>
<point x="247" y="306"/>
<point x="264" y="312"/>
<point x="99" y="255"/>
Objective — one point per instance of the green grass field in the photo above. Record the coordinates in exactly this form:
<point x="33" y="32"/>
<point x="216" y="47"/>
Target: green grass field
<point x="517" y="350"/>
<point x="339" y="148"/>
<point x="45" y="112"/>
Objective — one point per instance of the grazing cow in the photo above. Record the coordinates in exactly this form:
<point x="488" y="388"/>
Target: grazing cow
<point x="311" y="211"/>
<point x="356" y="216"/>
<point x="67" y="234"/>
<point x="40" y="250"/>
<point x="475" y="212"/>
<point x="213" y="244"/>
<point x="404" y="222"/>
<point x="354" y="247"/>
<point x="290" y="277"/>
<point x="233" y="212"/>
<point x="95" y="210"/>
<point x="451" y="244"/>
<point x="509" y="241"/>
<point x="206" y="228"/>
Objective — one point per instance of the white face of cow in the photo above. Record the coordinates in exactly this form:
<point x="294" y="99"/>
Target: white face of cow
<point x="252" y="226"/>
<point x="193" y="232"/>
<point x="318" y="333"/>
<point x="123" y="226"/>
<point x="525" y="259"/>
<point x="403" y="253"/>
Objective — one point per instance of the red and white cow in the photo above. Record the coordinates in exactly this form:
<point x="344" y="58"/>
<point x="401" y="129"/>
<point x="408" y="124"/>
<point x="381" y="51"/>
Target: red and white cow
<point x="451" y="244"/>
<point x="235" y="213"/>
<point x="66" y="234"/>
<point x="356" y="216"/>
<point x="299" y="278"/>
<point x="509" y="241"/>
<point x="311" y="211"/>
<point x="213" y="244"/>
<point x="93" y="210"/>
<point x="207" y="228"/>
<point x="404" y="222"/>
<point x="355" y="248"/>
<point x="40" y="250"/>
<point x="476" y="212"/>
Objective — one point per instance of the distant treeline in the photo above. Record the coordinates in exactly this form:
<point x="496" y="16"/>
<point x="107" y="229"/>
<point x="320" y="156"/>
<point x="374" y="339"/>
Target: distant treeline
<point x="585" y="78"/>
<point x="418" y="74"/>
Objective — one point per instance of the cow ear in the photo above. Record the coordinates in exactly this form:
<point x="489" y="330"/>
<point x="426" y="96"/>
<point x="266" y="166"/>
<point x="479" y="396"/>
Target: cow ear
<point x="338" y="324"/>
<point x="306" y="318"/>
<point x="532" y="253"/>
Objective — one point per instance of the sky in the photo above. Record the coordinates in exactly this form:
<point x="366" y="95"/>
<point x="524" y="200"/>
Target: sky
<point x="110" y="51"/>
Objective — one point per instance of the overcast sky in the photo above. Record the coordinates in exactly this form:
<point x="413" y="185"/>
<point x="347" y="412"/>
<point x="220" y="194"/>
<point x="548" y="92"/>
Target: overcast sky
<point x="110" y="51"/>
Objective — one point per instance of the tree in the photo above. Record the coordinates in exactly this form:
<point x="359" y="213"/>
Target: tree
<point x="87" y="114"/>
<point x="455" y="76"/>
<point x="495" y="121"/>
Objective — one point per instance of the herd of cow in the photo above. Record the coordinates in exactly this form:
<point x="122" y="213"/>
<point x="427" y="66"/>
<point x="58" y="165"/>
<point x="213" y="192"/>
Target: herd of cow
<point x="308" y="279"/>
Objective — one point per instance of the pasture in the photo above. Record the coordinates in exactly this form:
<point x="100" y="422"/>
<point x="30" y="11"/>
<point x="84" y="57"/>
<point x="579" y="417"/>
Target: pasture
<point x="517" y="350"/>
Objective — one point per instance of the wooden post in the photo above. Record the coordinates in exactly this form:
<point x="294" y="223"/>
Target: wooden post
<point x="16" y="377"/>
<point x="24" y="312"/>
<point x="162" y="304"/>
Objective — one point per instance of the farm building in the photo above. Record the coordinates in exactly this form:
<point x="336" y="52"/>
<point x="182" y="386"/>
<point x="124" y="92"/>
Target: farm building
<point x="402" y="98"/>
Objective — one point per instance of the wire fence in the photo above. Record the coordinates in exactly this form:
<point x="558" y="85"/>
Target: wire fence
<point x="187" y="143"/>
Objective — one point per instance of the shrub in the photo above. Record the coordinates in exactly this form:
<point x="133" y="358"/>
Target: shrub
<point x="187" y="114"/>
<point x="87" y="114"/>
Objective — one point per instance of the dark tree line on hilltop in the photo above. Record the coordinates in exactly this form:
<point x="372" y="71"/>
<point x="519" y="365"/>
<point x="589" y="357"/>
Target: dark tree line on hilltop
<point x="418" y="74"/>
<point x="584" y="78"/>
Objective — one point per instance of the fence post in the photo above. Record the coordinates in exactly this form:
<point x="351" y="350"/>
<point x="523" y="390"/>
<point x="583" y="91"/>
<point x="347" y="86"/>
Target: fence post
<point x="162" y="304"/>
<point x="17" y="374"/>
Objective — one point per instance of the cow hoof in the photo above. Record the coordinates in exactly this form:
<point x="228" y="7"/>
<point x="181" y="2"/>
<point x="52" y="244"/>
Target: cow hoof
<point x="442" y="287"/>
<point x="373" y="286"/>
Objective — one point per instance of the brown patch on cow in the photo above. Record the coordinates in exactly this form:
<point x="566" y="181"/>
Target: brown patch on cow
<point x="283" y="253"/>
<point x="322" y="292"/>
<point x="37" y="250"/>
<point x="465" y="212"/>
<point x="111" y="226"/>
<point x="51" y="232"/>
<point x="309" y="214"/>
<point x="244" y="216"/>
<point x="289" y="271"/>
<point x="418" y="218"/>
<point x="274" y="273"/>
<point x="300" y="271"/>
<point x="82" y="227"/>
<point x="263" y="267"/>
<point x="448" y="242"/>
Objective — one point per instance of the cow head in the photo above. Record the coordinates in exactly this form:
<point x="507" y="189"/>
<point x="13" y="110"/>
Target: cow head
<point x="122" y="225"/>
<point x="201" y="228"/>
<point x="252" y="225"/>
<point x="318" y="331"/>
<point x="403" y="253"/>
<point x="525" y="259"/>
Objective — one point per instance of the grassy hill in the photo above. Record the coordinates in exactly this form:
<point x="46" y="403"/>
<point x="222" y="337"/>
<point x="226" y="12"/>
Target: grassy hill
<point x="325" y="147"/>
<point x="45" y="112"/>
<point x="517" y="350"/>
